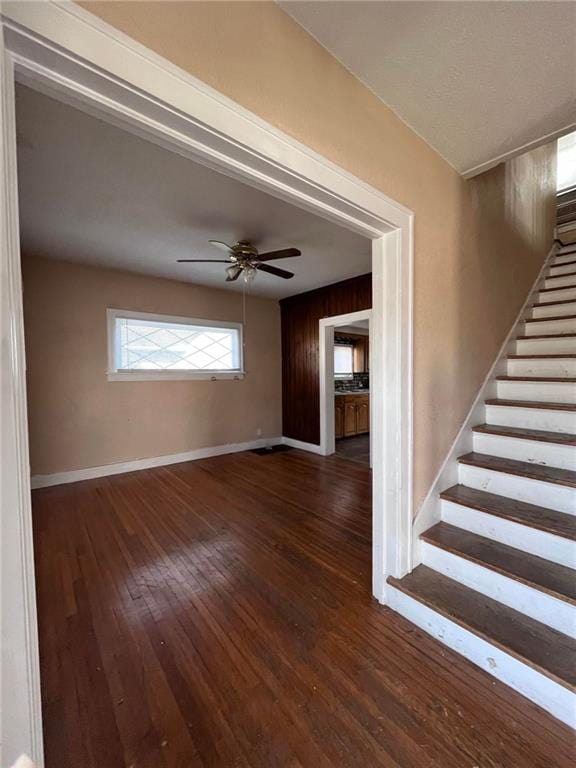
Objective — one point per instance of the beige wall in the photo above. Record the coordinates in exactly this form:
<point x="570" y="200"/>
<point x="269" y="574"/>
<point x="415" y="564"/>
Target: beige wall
<point x="478" y="244"/>
<point x="78" y="419"/>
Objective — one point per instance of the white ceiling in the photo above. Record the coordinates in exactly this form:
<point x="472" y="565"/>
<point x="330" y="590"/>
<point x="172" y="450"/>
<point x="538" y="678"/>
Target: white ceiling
<point x="93" y="193"/>
<point x="477" y="80"/>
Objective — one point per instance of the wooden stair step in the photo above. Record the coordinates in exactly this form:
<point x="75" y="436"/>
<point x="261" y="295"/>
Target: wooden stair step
<point x="541" y="304"/>
<point x="537" y="645"/>
<point x="535" y="572"/>
<point x="558" y="287"/>
<point x="557" y="356"/>
<point x="549" y="319"/>
<point x="530" y="515"/>
<point x="563" y="264"/>
<point x="538" y="435"/>
<point x="531" y="404"/>
<point x="542" y="379"/>
<point x="554" y="277"/>
<point x="547" y="336"/>
<point x="540" y="472"/>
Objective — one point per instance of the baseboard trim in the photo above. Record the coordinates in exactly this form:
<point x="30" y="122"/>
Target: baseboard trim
<point x="310" y="447"/>
<point x="90" y="473"/>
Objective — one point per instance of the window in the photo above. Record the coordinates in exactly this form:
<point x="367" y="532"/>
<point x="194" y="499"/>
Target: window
<point x="566" y="176"/>
<point x="343" y="361"/>
<point x="145" y="346"/>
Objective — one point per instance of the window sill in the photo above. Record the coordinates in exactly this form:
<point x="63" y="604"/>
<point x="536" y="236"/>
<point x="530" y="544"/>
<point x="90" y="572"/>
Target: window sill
<point x="175" y="375"/>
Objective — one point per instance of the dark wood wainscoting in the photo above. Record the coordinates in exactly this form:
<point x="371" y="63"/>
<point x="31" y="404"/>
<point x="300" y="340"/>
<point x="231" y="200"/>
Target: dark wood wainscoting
<point x="300" y="350"/>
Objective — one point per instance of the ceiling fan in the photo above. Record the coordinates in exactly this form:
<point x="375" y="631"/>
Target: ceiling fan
<point x="244" y="259"/>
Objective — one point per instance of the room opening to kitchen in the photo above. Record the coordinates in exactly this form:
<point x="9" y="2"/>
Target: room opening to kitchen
<point x="345" y="386"/>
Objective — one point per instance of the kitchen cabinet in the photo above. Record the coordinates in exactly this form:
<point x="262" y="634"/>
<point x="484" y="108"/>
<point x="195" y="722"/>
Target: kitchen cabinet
<point x="361" y="355"/>
<point x="339" y="417"/>
<point x="351" y="415"/>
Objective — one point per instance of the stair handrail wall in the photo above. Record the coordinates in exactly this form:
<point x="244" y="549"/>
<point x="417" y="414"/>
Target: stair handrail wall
<point x="429" y="512"/>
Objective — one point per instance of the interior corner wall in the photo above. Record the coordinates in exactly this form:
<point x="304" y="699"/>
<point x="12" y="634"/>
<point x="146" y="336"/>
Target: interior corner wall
<point x="301" y="316"/>
<point x="78" y="419"/>
<point x="478" y="244"/>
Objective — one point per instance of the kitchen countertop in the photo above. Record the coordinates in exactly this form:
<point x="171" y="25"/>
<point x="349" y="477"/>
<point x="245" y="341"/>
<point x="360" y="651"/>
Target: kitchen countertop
<point x="353" y="392"/>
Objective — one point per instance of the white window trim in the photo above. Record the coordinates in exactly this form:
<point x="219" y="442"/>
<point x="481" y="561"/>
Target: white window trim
<point x="116" y="374"/>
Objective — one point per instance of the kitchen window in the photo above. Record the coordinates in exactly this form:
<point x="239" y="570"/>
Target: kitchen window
<point x="343" y="361"/>
<point x="143" y="346"/>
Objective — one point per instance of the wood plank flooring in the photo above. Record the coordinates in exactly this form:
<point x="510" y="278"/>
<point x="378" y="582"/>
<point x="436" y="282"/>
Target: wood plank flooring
<point x="355" y="448"/>
<point x="218" y="613"/>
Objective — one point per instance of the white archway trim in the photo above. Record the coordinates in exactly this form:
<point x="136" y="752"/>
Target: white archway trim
<point x="61" y="49"/>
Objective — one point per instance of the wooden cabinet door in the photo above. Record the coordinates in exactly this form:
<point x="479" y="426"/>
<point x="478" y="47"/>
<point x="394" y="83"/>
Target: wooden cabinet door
<point x="358" y="355"/>
<point x="362" y="417"/>
<point x="338" y="418"/>
<point x="350" y="418"/>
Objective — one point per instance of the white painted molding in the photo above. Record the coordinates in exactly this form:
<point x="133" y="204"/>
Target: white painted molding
<point x="69" y="54"/>
<point x="21" y="714"/>
<point x="301" y="445"/>
<point x="429" y="513"/>
<point x="326" y="358"/>
<point x="76" y="475"/>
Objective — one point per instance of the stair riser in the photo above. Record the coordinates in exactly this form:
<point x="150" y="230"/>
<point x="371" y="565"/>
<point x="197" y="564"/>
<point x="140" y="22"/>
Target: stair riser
<point x="531" y="451"/>
<point x="548" y="326"/>
<point x="548" y="392"/>
<point x="561" y="269"/>
<point x="540" y="543"/>
<point x="554" y="612"/>
<point x="545" y="347"/>
<point x="562" y="258"/>
<point x="531" y="418"/>
<point x="546" y="367"/>
<point x="560" y="294"/>
<point x="557" y="309"/>
<point x="551" y="696"/>
<point x="558" y="497"/>
<point x="559" y="282"/>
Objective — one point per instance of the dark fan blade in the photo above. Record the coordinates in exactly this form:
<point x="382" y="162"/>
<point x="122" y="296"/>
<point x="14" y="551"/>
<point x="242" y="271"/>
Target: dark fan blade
<point x="203" y="261"/>
<point x="287" y="253"/>
<point x="222" y="246"/>
<point x="233" y="275"/>
<point x="275" y="271"/>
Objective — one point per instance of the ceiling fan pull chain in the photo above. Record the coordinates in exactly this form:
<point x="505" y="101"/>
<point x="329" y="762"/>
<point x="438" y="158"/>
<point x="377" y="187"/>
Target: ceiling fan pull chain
<point x="244" y="325"/>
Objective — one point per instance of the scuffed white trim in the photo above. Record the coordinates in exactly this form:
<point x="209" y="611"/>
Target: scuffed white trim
<point x="76" y="475"/>
<point x="310" y="447"/>
<point x="542" y="690"/>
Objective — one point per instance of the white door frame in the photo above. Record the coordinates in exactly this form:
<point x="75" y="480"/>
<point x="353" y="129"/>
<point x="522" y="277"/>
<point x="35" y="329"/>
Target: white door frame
<point x="64" y="51"/>
<point x="327" y="429"/>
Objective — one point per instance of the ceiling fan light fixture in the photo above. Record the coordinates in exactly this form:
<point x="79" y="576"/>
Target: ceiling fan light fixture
<point x="248" y="273"/>
<point x="232" y="271"/>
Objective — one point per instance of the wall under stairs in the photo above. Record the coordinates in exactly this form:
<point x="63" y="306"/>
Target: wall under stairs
<point x="496" y="579"/>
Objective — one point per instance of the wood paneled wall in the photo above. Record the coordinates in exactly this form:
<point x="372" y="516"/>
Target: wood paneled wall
<point x="300" y="350"/>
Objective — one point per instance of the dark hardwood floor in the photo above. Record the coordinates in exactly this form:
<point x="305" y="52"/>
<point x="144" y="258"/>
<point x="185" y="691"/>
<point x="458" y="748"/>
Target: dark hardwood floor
<point x="355" y="448"/>
<point x="218" y="613"/>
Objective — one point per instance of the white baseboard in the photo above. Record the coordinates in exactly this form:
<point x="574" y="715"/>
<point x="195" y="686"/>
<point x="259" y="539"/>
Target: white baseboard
<point x="429" y="513"/>
<point x="310" y="447"/>
<point x="75" y="475"/>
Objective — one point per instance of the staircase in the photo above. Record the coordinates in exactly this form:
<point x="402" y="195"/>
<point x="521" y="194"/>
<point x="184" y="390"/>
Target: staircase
<point x="497" y="580"/>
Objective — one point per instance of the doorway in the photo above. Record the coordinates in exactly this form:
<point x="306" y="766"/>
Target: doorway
<point x="68" y="52"/>
<point x="346" y="407"/>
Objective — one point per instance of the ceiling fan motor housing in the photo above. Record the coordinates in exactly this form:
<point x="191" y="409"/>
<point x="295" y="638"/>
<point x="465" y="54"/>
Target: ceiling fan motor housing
<point x="244" y="250"/>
